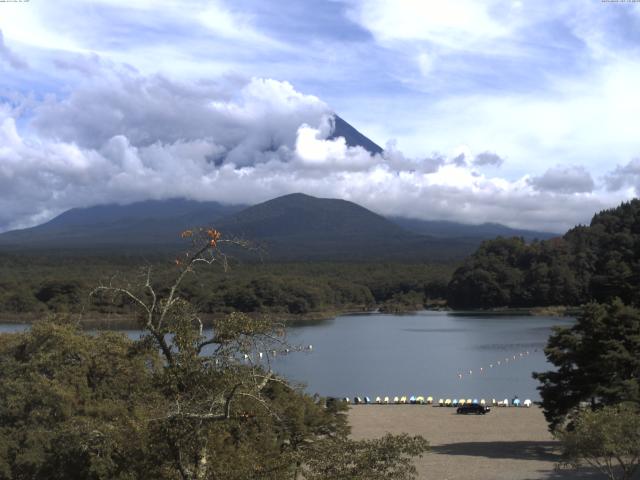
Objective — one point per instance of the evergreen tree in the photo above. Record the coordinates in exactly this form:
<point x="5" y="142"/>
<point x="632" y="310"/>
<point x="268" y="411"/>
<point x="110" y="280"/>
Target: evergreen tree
<point x="597" y="361"/>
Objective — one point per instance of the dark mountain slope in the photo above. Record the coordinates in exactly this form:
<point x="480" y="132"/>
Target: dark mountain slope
<point x="149" y="223"/>
<point x="292" y="227"/>
<point x="301" y="227"/>
<point x="485" y="231"/>
<point x="299" y="215"/>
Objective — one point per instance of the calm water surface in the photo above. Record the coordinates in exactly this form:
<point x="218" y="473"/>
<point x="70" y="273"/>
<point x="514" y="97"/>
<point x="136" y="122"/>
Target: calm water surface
<point x="416" y="354"/>
<point x="422" y="354"/>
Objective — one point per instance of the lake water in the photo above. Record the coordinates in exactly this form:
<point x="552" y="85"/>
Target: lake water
<point x="425" y="353"/>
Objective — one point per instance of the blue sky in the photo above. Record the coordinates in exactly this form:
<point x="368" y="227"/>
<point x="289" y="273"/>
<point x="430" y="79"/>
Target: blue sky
<point x="520" y="112"/>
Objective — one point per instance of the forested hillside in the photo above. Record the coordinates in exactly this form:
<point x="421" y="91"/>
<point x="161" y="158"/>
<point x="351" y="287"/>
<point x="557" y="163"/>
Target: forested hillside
<point x="596" y="262"/>
<point x="36" y="284"/>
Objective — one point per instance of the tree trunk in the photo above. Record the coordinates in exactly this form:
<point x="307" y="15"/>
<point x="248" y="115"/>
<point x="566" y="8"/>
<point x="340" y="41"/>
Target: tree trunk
<point x="201" y="467"/>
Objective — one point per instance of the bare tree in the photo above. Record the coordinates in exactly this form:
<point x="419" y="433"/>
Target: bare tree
<point x="209" y="374"/>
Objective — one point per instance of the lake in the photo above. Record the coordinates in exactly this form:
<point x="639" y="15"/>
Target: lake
<point x="425" y="353"/>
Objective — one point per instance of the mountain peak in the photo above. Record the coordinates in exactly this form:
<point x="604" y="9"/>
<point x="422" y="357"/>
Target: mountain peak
<point x="352" y="136"/>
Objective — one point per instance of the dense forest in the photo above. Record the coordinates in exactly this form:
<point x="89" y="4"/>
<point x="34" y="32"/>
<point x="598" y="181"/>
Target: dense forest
<point x="36" y="284"/>
<point x="596" y="262"/>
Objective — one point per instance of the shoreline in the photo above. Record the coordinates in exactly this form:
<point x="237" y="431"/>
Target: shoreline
<point x="128" y="322"/>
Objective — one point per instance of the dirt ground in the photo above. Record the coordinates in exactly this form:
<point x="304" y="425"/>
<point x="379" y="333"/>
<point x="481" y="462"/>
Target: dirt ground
<point x="507" y="443"/>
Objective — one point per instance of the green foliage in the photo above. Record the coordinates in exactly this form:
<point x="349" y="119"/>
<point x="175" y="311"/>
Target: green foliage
<point x="599" y="262"/>
<point x="35" y="284"/>
<point x="597" y="360"/>
<point x="607" y="439"/>
<point x="71" y="404"/>
<point x="379" y="459"/>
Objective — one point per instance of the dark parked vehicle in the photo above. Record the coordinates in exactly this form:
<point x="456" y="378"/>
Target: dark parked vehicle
<point x="473" y="408"/>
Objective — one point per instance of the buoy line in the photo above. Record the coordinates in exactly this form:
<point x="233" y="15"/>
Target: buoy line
<point x="502" y="362"/>
<point x="422" y="400"/>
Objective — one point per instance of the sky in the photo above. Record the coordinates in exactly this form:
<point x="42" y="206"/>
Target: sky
<point x="521" y="112"/>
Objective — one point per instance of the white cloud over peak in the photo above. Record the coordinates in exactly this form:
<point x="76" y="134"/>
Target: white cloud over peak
<point x="147" y="137"/>
<point x="123" y="101"/>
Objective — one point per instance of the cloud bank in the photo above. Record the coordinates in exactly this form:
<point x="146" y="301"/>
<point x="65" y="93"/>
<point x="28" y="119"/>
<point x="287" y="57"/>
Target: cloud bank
<point x="501" y="110"/>
<point x="130" y="137"/>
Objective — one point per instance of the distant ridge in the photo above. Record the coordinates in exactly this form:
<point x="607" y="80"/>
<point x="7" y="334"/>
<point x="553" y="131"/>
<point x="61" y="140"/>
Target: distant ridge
<point x="292" y="227"/>
<point x="302" y="227"/>
<point x="484" y="231"/>
<point x="149" y="223"/>
<point x="297" y="214"/>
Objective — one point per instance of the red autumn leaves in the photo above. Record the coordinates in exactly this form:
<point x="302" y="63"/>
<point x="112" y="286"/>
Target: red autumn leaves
<point x="211" y="235"/>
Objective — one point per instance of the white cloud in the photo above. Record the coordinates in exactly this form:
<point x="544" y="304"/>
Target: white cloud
<point x="100" y="115"/>
<point x="590" y="121"/>
<point x="425" y="63"/>
<point x="44" y="175"/>
<point x="9" y="56"/>
<point x="564" y="179"/>
<point x="461" y="25"/>
<point x="625" y="176"/>
<point x="488" y="158"/>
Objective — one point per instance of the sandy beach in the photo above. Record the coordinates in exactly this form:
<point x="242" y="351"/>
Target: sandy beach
<point x="505" y="444"/>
